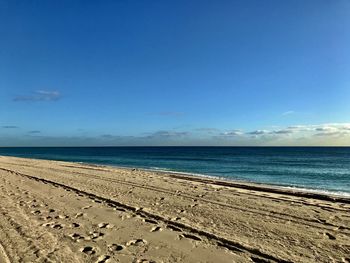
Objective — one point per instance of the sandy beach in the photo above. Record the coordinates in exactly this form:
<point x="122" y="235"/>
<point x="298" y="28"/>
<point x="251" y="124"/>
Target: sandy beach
<point x="53" y="211"/>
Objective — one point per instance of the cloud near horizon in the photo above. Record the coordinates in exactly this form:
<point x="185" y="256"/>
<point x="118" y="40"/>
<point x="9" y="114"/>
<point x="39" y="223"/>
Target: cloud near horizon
<point x="328" y="134"/>
<point x="327" y="129"/>
<point x="232" y="133"/>
<point x="34" y="132"/>
<point x="319" y="134"/>
<point x="168" y="134"/>
<point x="39" y="95"/>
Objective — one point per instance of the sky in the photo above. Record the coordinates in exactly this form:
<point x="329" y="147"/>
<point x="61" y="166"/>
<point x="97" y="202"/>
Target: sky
<point x="157" y="72"/>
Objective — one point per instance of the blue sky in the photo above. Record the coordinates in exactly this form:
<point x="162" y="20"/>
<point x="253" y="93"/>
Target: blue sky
<point x="174" y="73"/>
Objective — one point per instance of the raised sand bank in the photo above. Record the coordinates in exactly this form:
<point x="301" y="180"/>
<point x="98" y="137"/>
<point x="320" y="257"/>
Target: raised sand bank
<point x="72" y="212"/>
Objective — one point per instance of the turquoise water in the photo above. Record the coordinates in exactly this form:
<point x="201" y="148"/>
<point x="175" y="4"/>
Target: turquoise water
<point x="321" y="169"/>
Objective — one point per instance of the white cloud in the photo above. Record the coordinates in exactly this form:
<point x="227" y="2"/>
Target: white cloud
<point x="259" y="132"/>
<point x="326" y="134"/>
<point x="283" y="131"/>
<point x="308" y="131"/>
<point x="168" y="134"/>
<point x="232" y="133"/>
<point x="40" y="95"/>
<point x="288" y="113"/>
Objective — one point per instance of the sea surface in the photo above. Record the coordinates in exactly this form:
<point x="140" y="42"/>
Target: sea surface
<point x="320" y="169"/>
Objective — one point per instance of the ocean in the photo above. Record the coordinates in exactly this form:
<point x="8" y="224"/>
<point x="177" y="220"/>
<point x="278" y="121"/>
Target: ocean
<point x="319" y="169"/>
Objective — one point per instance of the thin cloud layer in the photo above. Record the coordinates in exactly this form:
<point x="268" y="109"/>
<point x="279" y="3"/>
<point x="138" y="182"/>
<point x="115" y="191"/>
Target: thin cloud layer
<point x="321" y="134"/>
<point x="34" y="132"/>
<point x="319" y="130"/>
<point x="288" y="113"/>
<point x="327" y="134"/>
<point x="168" y="134"/>
<point x="258" y="132"/>
<point x="232" y="133"/>
<point x="39" y="95"/>
<point x="168" y="113"/>
<point x="207" y="130"/>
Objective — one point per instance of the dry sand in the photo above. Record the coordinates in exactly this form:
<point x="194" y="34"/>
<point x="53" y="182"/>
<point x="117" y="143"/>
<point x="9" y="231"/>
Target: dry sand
<point x="54" y="211"/>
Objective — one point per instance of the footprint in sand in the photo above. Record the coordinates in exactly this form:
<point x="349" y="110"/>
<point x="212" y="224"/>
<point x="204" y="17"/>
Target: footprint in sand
<point x="136" y="242"/>
<point x="53" y="225"/>
<point x="156" y="229"/>
<point x="76" y="237"/>
<point x="88" y="250"/>
<point x="22" y="203"/>
<point x="61" y="217"/>
<point x="330" y="236"/>
<point x="75" y="225"/>
<point x="95" y="235"/>
<point x="105" y="225"/>
<point x="57" y="226"/>
<point x="48" y="224"/>
<point x="79" y="215"/>
<point x="103" y="259"/>
<point x="36" y="212"/>
<point x="115" y="247"/>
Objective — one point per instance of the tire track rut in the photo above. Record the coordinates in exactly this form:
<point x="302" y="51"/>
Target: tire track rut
<point x="281" y="216"/>
<point x="231" y="245"/>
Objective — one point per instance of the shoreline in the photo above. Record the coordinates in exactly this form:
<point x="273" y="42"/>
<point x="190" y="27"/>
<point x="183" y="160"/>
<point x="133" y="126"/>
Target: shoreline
<point x="244" y="184"/>
<point x="99" y="213"/>
<point x="284" y="189"/>
<point x="321" y="194"/>
<point x="263" y="187"/>
<point x="287" y="188"/>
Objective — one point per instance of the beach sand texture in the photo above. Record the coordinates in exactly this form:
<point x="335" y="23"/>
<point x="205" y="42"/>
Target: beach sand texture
<point x="53" y="211"/>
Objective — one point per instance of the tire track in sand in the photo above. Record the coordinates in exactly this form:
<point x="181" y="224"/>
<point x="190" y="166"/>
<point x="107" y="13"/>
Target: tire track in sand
<point x="236" y="247"/>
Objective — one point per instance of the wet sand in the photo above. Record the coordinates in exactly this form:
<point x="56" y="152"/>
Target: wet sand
<point x="54" y="211"/>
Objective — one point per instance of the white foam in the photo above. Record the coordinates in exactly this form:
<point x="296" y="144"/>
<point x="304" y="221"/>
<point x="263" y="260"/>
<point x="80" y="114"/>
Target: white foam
<point x="237" y="180"/>
<point x="293" y="188"/>
<point x="317" y="191"/>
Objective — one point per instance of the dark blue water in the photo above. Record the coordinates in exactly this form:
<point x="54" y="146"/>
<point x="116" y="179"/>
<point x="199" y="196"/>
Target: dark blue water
<point x="319" y="168"/>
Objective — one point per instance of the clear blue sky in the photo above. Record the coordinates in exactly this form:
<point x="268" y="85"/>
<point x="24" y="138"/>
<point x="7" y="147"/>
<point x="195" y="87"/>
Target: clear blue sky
<point x="175" y="72"/>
